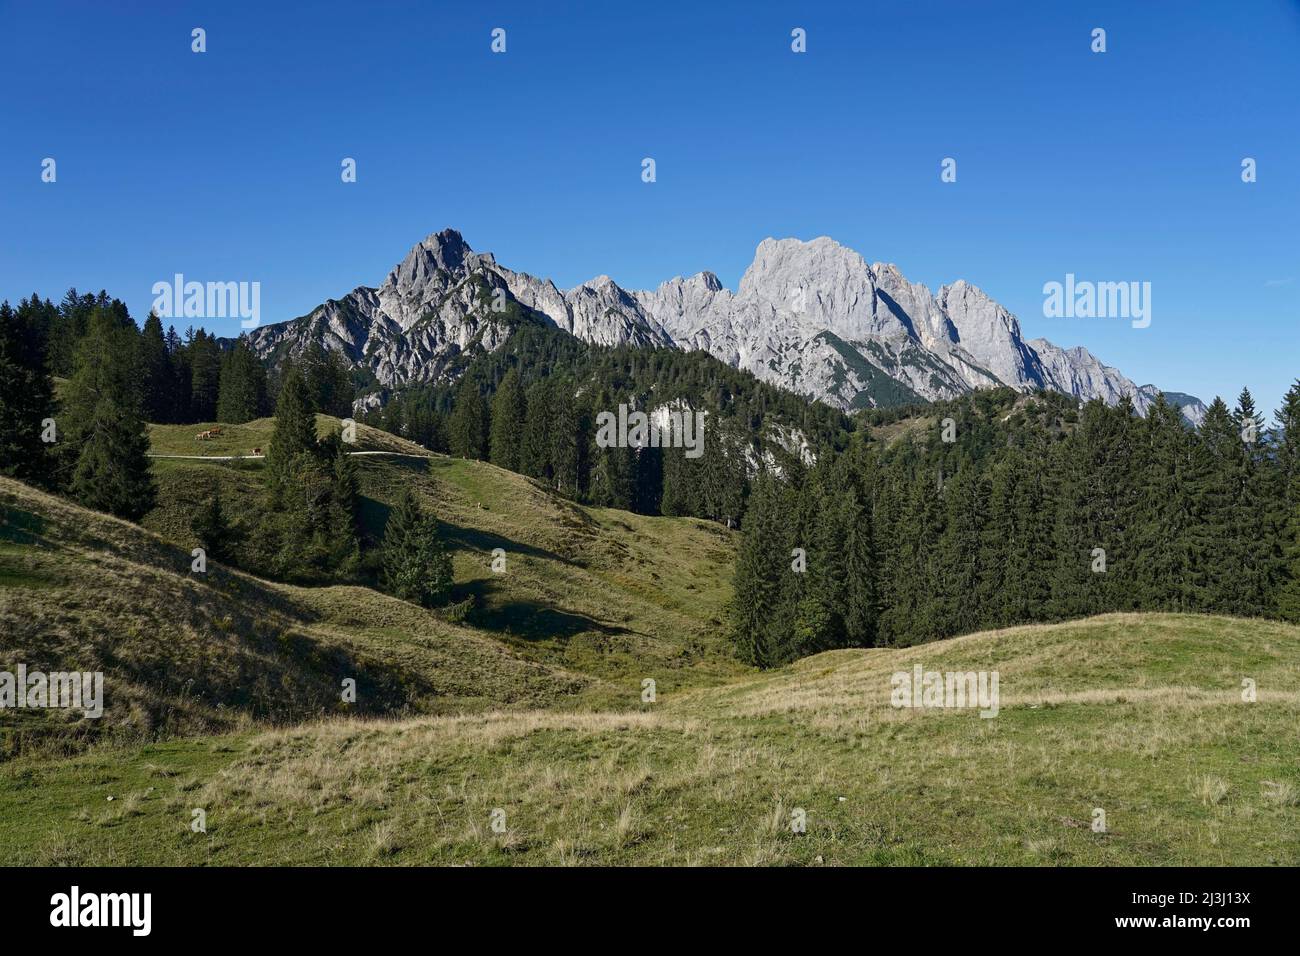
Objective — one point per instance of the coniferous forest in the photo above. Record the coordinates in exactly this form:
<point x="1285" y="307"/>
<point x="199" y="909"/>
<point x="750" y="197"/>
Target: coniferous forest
<point x="1036" y="510"/>
<point x="898" y="526"/>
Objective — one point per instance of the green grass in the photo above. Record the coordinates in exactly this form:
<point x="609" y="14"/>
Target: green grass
<point x="606" y="593"/>
<point x="1140" y="715"/>
<point x="590" y="604"/>
<point x="222" y="694"/>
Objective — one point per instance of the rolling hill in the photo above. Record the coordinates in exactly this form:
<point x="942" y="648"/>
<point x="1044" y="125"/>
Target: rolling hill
<point x="1137" y="715"/>
<point x="589" y="599"/>
<point x="512" y="727"/>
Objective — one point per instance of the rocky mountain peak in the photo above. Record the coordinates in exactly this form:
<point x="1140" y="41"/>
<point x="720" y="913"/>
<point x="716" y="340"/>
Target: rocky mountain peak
<point x="810" y="316"/>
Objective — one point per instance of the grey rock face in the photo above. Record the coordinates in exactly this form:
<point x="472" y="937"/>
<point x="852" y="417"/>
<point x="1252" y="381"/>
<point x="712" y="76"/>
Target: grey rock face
<point x="811" y="317"/>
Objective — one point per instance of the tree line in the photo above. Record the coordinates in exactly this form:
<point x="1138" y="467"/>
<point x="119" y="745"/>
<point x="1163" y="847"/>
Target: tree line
<point x="1003" y="509"/>
<point x="119" y="376"/>
<point x="531" y="407"/>
<point x="90" y="441"/>
<point x="1033" y="511"/>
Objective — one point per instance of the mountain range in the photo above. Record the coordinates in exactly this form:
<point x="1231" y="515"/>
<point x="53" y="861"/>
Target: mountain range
<point x="812" y="317"/>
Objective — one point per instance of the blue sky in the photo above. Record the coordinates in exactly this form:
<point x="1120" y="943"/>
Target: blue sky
<point x="1117" y="166"/>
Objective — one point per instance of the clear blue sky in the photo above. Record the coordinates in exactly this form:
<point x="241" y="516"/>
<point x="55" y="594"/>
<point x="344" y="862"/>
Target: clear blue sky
<point x="1115" y="166"/>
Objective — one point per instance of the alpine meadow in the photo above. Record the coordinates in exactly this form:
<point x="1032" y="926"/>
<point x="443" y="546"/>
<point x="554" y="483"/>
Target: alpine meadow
<point x="804" y="562"/>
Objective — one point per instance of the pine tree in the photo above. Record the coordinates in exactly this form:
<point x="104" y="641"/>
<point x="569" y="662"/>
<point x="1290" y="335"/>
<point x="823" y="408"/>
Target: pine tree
<point x="1164" y="532"/>
<point x="182" y="374"/>
<point x="110" y="470"/>
<point x="416" y="565"/>
<point x="509" y="411"/>
<point x="205" y="376"/>
<point x="294" y="434"/>
<point x="567" y="445"/>
<point x="158" y="382"/>
<point x="26" y="396"/>
<point x="242" y="396"/>
<point x="960" y="555"/>
<point x="329" y="380"/>
<point x="215" y="532"/>
<point x="612" y="472"/>
<point x="1287" y="443"/>
<point x="757" y="611"/>
<point x="1219" y="549"/>
<point x="535" y="455"/>
<point x="1254" y="518"/>
<point x="469" y="426"/>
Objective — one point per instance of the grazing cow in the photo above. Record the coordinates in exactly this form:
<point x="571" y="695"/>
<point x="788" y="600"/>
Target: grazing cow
<point x="257" y="451"/>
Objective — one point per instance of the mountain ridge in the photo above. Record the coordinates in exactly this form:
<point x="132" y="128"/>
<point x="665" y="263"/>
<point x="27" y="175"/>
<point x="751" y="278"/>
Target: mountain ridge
<point x="812" y="317"/>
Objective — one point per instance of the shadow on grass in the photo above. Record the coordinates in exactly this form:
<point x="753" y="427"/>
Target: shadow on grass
<point x="373" y="518"/>
<point x="476" y="539"/>
<point x="531" y="620"/>
<point x="20" y="527"/>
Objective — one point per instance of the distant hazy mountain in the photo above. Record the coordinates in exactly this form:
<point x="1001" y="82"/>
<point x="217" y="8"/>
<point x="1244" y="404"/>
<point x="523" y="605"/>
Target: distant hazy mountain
<point x="812" y="317"/>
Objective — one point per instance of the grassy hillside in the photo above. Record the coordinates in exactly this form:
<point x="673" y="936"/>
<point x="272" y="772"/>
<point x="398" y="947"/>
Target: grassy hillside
<point x="223" y="695"/>
<point x="1140" y="715"/>
<point x="612" y="594"/>
<point x="187" y="653"/>
<point x="590" y="603"/>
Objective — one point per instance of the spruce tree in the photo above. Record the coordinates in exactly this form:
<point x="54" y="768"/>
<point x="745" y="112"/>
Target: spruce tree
<point x="509" y="411"/>
<point x="861" y="605"/>
<point x="468" y="426"/>
<point x="535" y="455"/>
<point x="612" y="478"/>
<point x="1219" y="549"/>
<point x="158" y="382"/>
<point x="567" y="444"/>
<point x="676" y="498"/>
<point x="328" y="379"/>
<point x="26" y="397"/>
<point x="1287" y="443"/>
<point x="1254" y="516"/>
<point x="182" y="374"/>
<point x="914" y="613"/>
<point x="243" y="385"/>
<point x="1164" y="532"/>
<point x="832" y="519"/>
<point x="757" y="611"/>
<point x="416" y="566"/>
<point x="205" y="376"/>
<point x="959" y="557"/>
<point x="294" y="434"/>
<point x="107" y="447"/>
<point x="212" y="526"/>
